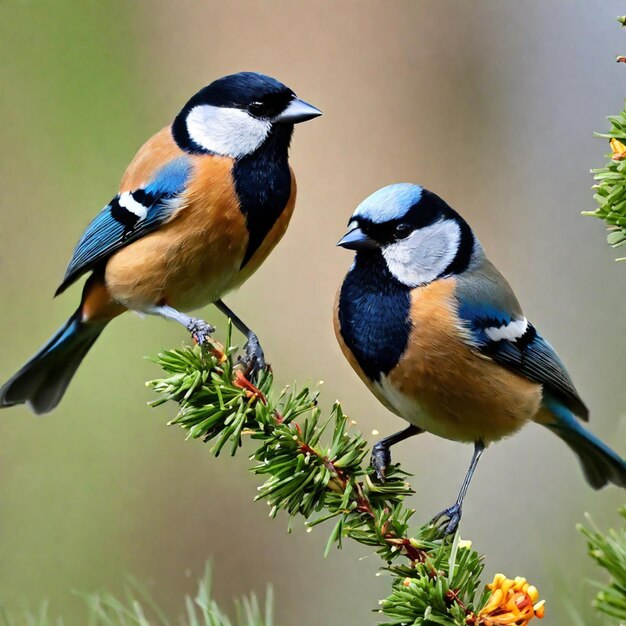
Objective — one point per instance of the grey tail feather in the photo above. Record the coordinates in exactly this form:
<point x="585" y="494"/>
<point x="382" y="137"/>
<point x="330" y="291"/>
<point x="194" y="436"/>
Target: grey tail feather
<point x="42" y="382"/>
<point x="600" y="464"/>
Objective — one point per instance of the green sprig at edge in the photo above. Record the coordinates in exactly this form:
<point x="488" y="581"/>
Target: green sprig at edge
<point x="609" y="552"/>
<point x="610" y="181"/>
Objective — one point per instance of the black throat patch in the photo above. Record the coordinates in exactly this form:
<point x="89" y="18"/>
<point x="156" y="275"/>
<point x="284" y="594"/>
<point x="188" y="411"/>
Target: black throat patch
<point x="263" y="185"/>
<point x="374" y="315"/>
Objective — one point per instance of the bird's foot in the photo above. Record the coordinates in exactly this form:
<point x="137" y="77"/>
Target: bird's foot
<point x="448" y="520"/>
<point x="254" y="361"/>
<point x="380" y="460"/>
<point x="200" y="330"/>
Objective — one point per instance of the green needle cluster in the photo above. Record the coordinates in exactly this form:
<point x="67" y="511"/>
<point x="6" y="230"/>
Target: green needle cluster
<point x="316" y="467"/>
<point x="609" y="551"/>
<point x="610" y="187"/>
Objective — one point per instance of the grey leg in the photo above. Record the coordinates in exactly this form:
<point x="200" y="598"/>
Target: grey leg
<point x="381" y="453"/>
<point x="453" y="514"/>
<point x="255" y="358"/>
<point x="198" y="328"/>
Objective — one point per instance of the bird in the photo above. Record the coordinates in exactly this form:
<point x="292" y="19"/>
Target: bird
<point x="437" y="335"/>
<point x="198" y="210"/>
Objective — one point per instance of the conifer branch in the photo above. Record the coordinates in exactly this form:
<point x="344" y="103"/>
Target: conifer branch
<point x="316" y="467"/>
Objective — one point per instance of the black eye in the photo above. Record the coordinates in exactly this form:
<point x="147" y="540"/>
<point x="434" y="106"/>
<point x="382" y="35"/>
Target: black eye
<point x="402" y="231"/>
<point x="258" y="109"/>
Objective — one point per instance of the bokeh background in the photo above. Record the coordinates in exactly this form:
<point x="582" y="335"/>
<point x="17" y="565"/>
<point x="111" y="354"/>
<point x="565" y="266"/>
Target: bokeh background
<point x="491" y="104"/>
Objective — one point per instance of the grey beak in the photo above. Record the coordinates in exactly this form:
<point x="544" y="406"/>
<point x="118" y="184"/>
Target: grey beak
<point x="356" y="239"/>
<point x="297" y="111"/>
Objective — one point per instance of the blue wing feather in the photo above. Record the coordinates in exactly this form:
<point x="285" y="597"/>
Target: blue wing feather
<point x="529" y="354"/>
<point x="115" y="227"/>
<point x="171" y="178"/>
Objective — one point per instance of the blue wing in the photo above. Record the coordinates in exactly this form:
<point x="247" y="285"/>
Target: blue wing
<point x="128" y="217"/>
<point x="490" y="312"/>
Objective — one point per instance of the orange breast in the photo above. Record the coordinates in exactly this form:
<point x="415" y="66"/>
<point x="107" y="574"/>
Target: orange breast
<point x="443" y="385"/>
<point x="196" y="257"/>
<point x="191" y="260"/>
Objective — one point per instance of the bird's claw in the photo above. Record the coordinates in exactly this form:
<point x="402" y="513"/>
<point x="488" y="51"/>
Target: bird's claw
<point x="380" y="460"/>
<point x="200" y="330"/>
<point x="254" y="361"/>
<point x="451" y="518"/>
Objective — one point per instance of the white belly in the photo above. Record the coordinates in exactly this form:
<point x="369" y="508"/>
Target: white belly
<point x="411" y="410"/>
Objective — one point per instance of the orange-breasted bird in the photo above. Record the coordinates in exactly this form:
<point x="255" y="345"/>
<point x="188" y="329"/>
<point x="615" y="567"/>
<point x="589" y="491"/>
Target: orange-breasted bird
<point x="199" y="208"/>
<point x="437" y="334"/>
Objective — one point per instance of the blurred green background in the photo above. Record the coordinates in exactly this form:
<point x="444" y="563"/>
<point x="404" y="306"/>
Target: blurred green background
<point x="490" y="104"/>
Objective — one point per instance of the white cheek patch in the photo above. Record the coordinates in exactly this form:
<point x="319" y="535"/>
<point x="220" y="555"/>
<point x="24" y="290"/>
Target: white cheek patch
<point x="227" y="132"/>
<point x="126" y="201"/>
<point x="511" y="331"/>
<point x="425" y="254"/>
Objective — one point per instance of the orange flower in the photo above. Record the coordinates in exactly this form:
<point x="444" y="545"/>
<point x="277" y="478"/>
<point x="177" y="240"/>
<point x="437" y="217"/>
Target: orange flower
<point x="512" y="603"/>
<point x="618" y="148"/>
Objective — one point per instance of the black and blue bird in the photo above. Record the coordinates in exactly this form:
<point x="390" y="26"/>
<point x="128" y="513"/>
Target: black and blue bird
<point x="198" y="210"/>
<point x="437" y="334"/>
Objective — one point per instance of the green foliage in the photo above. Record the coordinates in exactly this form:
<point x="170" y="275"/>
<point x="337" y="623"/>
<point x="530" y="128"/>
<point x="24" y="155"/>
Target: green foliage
<point x="609" y="551"/>
<point x="137" y="608"/>
<point x="315" y="467"/>
<point x="303" y="475"/>
<point x="610" y="187"/>
<point x="445" y="583"/>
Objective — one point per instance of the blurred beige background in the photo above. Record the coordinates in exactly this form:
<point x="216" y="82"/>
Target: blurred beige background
<point x="490" y="104"/>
